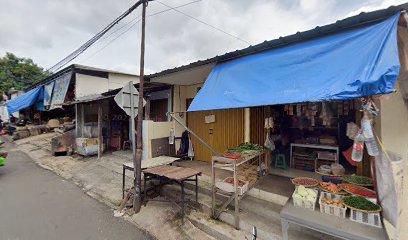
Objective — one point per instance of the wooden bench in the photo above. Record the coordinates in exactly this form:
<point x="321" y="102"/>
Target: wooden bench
<point x="170" y="175"/>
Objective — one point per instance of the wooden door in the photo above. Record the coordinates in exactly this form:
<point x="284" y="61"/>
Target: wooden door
<point x="227" y="130"/>
<point x="257" y="125"/>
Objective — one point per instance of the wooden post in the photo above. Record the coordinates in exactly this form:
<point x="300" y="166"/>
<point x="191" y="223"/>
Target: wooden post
<point x="139" y="151"/>
<point x="76" y="121"/>
<point x="100" y="138"/>
<point x="82" y="119"/>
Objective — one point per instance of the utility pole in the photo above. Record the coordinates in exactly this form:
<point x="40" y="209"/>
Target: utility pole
<point x="138" y="160"/>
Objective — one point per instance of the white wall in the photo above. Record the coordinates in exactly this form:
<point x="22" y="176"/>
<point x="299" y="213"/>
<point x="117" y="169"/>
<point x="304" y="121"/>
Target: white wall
<point x="89" y="85"/>
<point x="117" y="80"/>
<point x="153" y="130"/>
<point x="180" y="96"/>
<point x="392" y="124"/>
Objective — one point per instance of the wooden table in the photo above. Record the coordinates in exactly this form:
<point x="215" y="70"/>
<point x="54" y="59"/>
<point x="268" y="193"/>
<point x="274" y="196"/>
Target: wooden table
<point x="170" y="175"/>
<point x="342" y="228"/>
<point x="148" y="163"/>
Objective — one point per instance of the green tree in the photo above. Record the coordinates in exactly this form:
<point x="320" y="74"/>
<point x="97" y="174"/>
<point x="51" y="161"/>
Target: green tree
<point x="19" y="73"/>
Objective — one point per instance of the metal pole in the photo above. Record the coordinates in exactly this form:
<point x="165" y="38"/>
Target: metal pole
<point x="132" y="124"/>
<point x="194" y="134"/>
<point x="139" y="151"/>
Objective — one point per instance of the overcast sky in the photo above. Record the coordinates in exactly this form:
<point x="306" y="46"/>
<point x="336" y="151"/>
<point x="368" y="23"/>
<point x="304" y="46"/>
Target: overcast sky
<point x="48" y="30"/>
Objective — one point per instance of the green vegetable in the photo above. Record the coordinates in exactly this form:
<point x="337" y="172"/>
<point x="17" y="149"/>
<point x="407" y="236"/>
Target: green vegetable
<point x="243" y="147"/>
<point x="358" y="180"/>
<point x="2" y="161"/>
<point x="361" y="203"/>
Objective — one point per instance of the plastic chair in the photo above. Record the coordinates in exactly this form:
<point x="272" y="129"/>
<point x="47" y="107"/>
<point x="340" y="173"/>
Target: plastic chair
<point x="280" y="161"/>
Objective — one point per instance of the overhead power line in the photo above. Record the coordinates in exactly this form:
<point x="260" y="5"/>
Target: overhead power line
<point x="207" y="24"/>
<point x="91" y="41"/>
<point x="137" y="19"/>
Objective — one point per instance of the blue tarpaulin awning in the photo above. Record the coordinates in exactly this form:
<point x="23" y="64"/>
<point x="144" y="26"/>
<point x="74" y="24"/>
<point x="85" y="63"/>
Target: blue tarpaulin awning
<point x="26" y="100"/>
<point x="347" y="65"/>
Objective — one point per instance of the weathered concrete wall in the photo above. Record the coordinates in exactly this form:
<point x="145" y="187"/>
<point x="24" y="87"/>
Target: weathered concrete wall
<point x="392" y="124"/>
<point x="117" y="80"/>
<point x="89" y="85"/>
<point x="153" y="130"/>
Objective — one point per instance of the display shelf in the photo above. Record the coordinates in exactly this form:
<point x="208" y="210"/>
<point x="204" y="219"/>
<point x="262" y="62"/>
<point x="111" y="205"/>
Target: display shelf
<point x="294" y="157"/>
<point x="220" y="162"/>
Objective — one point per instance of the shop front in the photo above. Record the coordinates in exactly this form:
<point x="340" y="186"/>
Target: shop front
<point x="316" y="108"/>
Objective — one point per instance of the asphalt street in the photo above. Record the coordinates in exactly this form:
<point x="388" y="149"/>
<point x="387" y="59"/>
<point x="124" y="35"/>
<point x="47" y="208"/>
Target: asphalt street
<point x="37" y="204"/>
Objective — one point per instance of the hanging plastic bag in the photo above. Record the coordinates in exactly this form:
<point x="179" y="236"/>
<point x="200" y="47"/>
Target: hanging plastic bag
<point x="390" y="178"/>
<point x="352" y="130"/>
<point x="269" y="144"/>
<point x="190" y="148"/>
<point x="172" y="136"/>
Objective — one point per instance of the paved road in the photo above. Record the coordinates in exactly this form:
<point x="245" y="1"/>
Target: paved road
<point x="37" y="204"/>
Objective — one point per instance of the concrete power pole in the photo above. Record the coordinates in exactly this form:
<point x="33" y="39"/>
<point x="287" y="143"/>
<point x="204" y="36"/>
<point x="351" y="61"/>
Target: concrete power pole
<point x="137" y="202"/>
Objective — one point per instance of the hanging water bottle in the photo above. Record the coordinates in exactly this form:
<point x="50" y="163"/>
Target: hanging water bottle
<point x="371" y="144"/>
<point x="372" y="147"/>
<point x="358" y="148"/>
<point x="366" y="127"/>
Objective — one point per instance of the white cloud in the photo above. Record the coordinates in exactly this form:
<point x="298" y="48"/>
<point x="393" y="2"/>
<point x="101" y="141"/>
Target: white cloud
<point x="376" y="6"/>
<point x="48" y="30"/>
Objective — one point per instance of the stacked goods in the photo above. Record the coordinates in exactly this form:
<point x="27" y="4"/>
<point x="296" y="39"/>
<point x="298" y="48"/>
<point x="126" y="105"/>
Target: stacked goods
<point x="359" y="180"/>
<point x="325" y="169"/>
<point x="227" y="185"/>
<point x="332" y="204"/>
<point x="233" y="155"/>
<point x="361" y="204"/>
<point x="363" y="211"/>
<point x="248" y="173"/>
<point x="358" y="190"/>
<point x="330" y="187"/>
<point x="335" y="180"/>
<point x="305" y="182"/>
<point x="304" y="197"/>
<point x="230" y="180"/>
<point x="337" y="169"/>
<point x="334" y="169"/>
<point x="304" y="160"/>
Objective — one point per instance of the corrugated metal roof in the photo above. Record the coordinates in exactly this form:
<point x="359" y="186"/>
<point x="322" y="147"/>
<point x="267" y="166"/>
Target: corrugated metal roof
<point x="341" y="25"/>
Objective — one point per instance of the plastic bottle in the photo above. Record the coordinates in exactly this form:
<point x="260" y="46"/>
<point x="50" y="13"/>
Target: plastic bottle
<point x="358" y="148"/>
<point x="366" y="127"/>
<point x="371" y="144"/>
<point x="372" y="147"/>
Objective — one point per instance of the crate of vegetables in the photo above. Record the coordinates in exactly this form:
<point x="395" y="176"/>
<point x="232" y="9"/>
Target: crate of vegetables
<point x="305" y="181"/>
<point x="227" y="185"/>
<point x="305" y="197"/>
<point x="360" y="191"/>
<point x="359" y="180"/>
<point x="332" y="204"/>
<point x="363" y="211"/>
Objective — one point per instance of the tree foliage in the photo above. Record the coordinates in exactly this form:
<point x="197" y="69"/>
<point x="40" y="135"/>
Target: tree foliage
<point x="18" y="73"/>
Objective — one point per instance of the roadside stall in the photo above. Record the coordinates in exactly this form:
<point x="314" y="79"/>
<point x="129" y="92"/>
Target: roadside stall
<point x="319" y="92"/>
